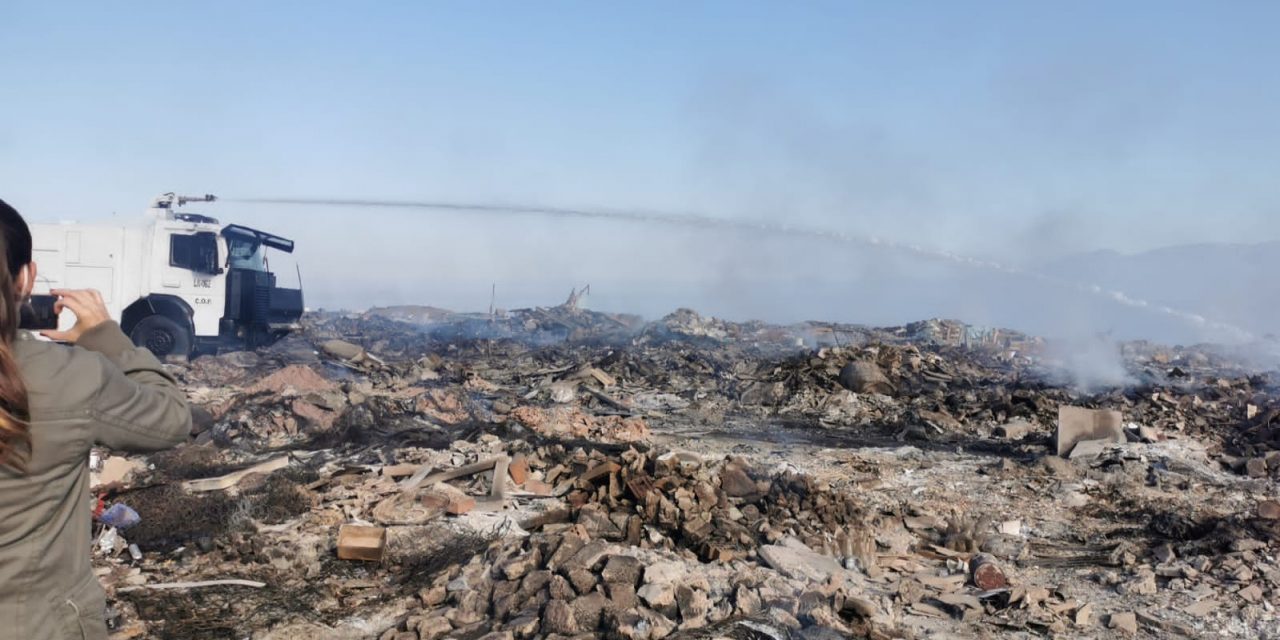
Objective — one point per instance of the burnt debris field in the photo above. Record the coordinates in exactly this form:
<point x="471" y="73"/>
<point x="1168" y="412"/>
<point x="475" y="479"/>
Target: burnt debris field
<point x="411" y="473"/>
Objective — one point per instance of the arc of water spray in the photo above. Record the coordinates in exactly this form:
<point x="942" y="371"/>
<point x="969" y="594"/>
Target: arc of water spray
<point x="708" y="222"/>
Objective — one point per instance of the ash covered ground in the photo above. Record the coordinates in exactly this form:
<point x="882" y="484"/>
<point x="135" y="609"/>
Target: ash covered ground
<point x="413" y="473"/>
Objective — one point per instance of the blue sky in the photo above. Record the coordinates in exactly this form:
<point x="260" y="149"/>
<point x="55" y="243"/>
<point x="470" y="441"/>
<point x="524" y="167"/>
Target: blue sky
<point x="1011" y="130"/>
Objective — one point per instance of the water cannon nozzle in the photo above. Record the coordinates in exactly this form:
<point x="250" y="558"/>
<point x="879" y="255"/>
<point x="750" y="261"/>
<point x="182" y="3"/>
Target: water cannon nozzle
<point x="208" y="197"/>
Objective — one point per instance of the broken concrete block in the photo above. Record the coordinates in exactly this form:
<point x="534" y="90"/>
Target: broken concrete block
<point x="1202" y="608"/>
<point x="1077" y="423"/>
<point x="793" y="559"/>
<point x="588" y="556"/>
<point x="520" y="566"/>
<point x="1126" y="622"/>
<point x="1144" y="584"/>
<point x="1252" y="594"/>
<point x="558" y="618"/>
<point x="1084" y="616"/>
<point x="1087" y="449"/>
<point x="1014" y="429"/>
<point x="622" y="570"/>
<point x="359" y="542"/>
<point x="588" y="609"/>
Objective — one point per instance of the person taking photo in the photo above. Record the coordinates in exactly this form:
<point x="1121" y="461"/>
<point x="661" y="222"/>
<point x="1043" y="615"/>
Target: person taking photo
<point x="56" y="402"/>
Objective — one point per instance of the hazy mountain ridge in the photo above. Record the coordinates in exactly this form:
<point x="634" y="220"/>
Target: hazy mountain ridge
<point x="1233" y="283"/>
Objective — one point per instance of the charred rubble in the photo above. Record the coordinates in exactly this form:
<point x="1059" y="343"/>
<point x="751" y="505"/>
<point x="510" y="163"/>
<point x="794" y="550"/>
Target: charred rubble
<point x="412" y="473"/>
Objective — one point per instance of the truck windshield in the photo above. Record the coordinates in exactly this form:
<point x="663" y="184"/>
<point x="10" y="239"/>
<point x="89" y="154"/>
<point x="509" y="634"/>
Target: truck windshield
<point x="245" y="254"/>
<point x="246" y="248"/>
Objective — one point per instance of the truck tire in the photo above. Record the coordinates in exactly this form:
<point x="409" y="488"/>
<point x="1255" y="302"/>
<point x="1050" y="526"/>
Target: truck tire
<point x="162" y="336"/>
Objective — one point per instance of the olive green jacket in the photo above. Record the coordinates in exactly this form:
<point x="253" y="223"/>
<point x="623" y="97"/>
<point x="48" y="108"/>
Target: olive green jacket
<point x="104" y="391"/>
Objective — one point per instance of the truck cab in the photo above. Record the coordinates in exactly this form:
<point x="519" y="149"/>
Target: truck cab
<point x="181" y="283"/>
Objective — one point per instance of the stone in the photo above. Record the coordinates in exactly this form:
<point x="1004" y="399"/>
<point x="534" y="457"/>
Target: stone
<point x="622" y="596"/>
<point x="435" y="627"/>
<point x="1202" y="608"/>
<point x="694" y="606"/>
<point x="1256" y="468"/>
<point x="1269" y="510"/>
<point x="785" y="619"/>
<point x="664" y="572"/>
<point x="595" y="520"/>
<point x="630" y="625"/>
<point x="588" y="609"/>
<point x="588" y="556"/>
<point x="569" y="545"/>
<point x="433" y="596"/>
<point x="735" y="482"/>
<point x="865" y="377"/>
<point x="471" y="608"/>
<point x="746" y="602"/>
<point x="557" y="617"/>
<point x="1078" y="423"/>
<point x="1126" y="622"/>
<point x="1144" y="584"/>
<point x="660" y="597"/>
<point x="534" y="582"/>
<point x="583" y="580"/>
<point x="1251" y="594"/>
<point x="521" y="565"/>
<point x="561" y="589"/>
<point x="641" y="624"/>
<point x="1015" y="429"/>
<point x="507" y="605"/>
<point x="793" y="559"/>
<point x="524" y="626"/>
<point x="622" y="570"/>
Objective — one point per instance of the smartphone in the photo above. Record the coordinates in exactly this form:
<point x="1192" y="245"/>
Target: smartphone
<point x="38" y="313"/>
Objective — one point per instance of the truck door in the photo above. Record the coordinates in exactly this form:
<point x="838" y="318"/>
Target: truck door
<point x="193" y="274"/>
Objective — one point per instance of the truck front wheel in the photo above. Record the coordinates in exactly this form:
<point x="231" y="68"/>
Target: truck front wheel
<point x="162" y="336"/>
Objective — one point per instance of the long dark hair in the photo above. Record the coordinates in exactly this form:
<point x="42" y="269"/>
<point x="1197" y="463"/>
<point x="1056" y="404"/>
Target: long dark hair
<point x="15" y="248"/>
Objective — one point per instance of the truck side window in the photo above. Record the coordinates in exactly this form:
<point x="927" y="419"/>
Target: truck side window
<point x="197" y="252"/>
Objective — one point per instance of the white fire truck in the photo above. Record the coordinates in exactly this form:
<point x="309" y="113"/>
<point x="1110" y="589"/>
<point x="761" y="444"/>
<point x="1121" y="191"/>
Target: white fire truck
<point x="179" y="284"/>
